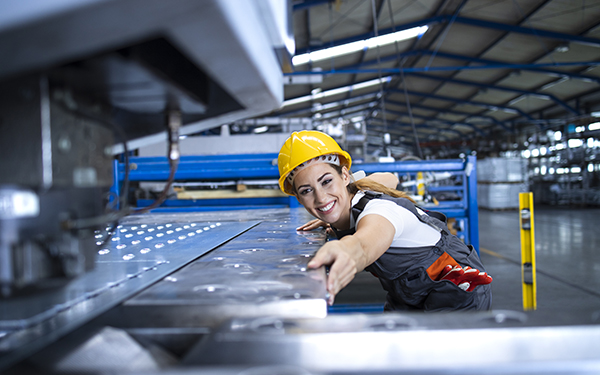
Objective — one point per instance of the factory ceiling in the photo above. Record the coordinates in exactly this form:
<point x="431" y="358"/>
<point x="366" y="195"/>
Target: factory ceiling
<point x="467" y="70"/>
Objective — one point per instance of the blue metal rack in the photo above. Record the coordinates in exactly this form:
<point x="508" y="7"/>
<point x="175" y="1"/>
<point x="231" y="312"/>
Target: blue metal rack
<point x="263" y="166"/>
<point x="208" y="168"/>
<point x="463" y="209"/>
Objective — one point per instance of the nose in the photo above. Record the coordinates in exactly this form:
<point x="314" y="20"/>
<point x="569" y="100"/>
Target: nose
<point x="319" y="195"/>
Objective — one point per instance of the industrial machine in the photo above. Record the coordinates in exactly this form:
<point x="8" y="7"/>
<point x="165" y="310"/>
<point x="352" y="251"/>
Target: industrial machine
<point x="82" y="80"/>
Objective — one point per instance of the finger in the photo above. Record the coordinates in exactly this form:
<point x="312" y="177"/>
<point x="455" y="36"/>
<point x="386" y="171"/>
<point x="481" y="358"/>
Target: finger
<point x="321" y="258"/>
<point x="306" y="226"/>
<point x="330" y="299"/>
<point x="341" y="273"/>
<point x="314" y="224"/>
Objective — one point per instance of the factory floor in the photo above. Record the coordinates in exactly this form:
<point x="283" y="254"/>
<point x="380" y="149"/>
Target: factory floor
<point x="567" y="242"/>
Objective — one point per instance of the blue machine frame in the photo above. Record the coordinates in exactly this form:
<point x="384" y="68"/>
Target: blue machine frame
<point x="263" y="166"/>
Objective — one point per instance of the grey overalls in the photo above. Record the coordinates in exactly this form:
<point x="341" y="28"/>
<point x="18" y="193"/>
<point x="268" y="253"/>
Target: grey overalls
<point x="403" y="274"/>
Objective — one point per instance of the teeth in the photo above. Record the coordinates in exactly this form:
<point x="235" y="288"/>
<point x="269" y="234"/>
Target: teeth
<point x="326" y="208"/>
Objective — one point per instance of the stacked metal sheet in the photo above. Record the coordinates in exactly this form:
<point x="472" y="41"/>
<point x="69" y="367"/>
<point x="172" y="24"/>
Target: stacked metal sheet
<point x="499" y="182"/>
<point x="262" y="272"/>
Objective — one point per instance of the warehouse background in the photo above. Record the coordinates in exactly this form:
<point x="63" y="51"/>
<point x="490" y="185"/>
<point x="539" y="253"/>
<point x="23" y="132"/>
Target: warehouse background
<point x="513" y="82"/>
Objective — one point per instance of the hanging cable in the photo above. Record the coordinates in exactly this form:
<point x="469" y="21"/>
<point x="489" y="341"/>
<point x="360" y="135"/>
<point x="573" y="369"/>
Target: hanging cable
<point x="382" y="97"/>
<point x="446" y="30"/>
<point x="174" y="123"/>
<point x="403" y="82"/>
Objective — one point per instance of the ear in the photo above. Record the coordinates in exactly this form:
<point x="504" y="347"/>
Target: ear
<point x="346" y="176"/>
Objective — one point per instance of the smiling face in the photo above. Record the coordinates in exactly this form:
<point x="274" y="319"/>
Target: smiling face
<point x="322" y="191"/>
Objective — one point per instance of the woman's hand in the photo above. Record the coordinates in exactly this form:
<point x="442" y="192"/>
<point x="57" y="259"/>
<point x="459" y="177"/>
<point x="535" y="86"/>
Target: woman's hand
<point x="351" y="254"/>
<point x="343" y="266"/>
<point x="314" y="224"/>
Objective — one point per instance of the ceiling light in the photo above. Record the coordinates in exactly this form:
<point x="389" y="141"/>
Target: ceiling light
<point x="360" y="45"/>
<point x="261" y="129"/>
<point x="594" y="126"/>
<point x="336" y="91"/>
<point x="575" y="142"/>
<point x="562" y="48"/>
<point x="557" y="136"/>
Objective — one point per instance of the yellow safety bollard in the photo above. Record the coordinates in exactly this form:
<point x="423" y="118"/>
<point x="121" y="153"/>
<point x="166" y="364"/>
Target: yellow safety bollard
<point x="527" y="251"/>
<point x="420" y="184"/>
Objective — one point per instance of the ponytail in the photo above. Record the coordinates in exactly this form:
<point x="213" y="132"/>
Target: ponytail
<point x="365" y="184"/>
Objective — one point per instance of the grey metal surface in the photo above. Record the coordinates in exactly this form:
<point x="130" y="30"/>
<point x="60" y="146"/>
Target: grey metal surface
<point x="262" y="272"/>
<point x="46" y="145"/>
<point x="491" y="342"/>
<point x="137" y="256"/>
<point x="41" y="35"/>
<point x="59" y="159"/>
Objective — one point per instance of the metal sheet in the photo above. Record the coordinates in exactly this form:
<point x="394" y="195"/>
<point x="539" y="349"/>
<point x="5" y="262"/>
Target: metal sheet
<point x="262" y="272"/>
<point x="138" y="255"/>
<point x="491" y="342"/>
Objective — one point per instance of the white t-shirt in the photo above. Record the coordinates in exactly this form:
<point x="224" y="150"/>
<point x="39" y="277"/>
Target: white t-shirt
<point x="410" y="231"/>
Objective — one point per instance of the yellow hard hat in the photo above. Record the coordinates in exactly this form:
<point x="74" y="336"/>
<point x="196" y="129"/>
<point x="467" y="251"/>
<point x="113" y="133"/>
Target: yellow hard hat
<point x="303" y="146"/>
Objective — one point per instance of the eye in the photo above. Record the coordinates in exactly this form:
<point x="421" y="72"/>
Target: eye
<point x="327" y="181"/>
<point x="305" y="191"/>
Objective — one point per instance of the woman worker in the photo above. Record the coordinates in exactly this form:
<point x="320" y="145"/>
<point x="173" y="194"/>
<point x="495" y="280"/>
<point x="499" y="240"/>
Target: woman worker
<point x="418" y="261"/>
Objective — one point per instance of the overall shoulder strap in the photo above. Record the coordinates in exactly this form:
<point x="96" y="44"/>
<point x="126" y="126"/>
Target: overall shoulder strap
<point x="357" y="209"/>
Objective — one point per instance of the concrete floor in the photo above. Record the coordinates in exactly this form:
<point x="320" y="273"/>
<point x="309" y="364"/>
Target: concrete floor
<point x="567" y="257"/>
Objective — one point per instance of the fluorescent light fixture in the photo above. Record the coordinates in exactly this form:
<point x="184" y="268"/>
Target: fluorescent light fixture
<point x="551" y="84"/>
<point x="574" y="143"/>
<point x="551" y="170"/>
<point x="543" y="150"/>
<point x="575" y="169"/>
<point x="536" y="170"/>
<point x="351" y="110"/>
<point x="516" y="100"/>
<point x="590" y="142"/>
<point x="594" y="126"/>
<point x="595" y="114"/>
<point x="560" y="146"/>
<point x="580" y="129"/>
<point x="543" y="170"/>
<point x="557" y="136"/>
<point x="535" y="152"/>
<point x="590" y="167"/>
<point x="336" y="91"/>
<point x="526" y="154"/>
<point x="346" y="102"/>
<point x="347" y="48"/>
<point x="261" y="129"/>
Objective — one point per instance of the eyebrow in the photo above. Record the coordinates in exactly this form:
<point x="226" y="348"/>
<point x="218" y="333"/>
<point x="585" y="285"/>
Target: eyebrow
<point x="318" y="180"/>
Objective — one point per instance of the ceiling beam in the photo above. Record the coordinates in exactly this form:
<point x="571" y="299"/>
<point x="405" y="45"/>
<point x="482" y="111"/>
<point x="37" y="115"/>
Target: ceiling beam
<point x="450" y="112"/>
<point x="443" y="19"/>
<point x="435" y="119"/>
<point x="488" y="106"/>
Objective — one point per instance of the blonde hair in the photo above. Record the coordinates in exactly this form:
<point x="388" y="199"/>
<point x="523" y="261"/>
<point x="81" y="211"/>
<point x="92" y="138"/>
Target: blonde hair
<point x="366" y="184"/>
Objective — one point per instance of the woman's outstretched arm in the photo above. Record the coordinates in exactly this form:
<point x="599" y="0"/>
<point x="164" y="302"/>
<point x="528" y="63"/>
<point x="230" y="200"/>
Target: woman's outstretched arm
<point x="352" y="254"/>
